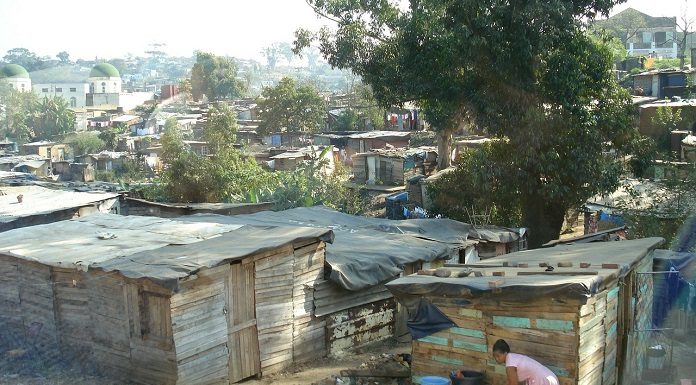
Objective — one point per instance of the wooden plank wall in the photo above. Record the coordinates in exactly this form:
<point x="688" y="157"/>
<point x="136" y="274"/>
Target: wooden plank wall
<point x="545" y="329"/>
<point x="274" y="309"/>
<point x="153" y="359"/>
<point x="598" y="339"/>
<point x="85" y="319"/>
<point x="72" y="313"/>
<point x="36" y="304"/>
<point x="309" y="341"/>
<point x="640" y="307"/>
<point x="354" y="327"/>
<point x="289" y="331"/>
<point x="110" y="323"/>
<point x="359" y="169"/>
<point x="243" y="340"/>
<point x="330" y="298"/>
<point x="199" y="326"/>
<point x="11" y="314"/>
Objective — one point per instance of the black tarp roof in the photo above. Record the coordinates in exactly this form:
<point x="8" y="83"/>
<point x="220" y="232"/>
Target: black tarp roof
<point x="370" y="251"/>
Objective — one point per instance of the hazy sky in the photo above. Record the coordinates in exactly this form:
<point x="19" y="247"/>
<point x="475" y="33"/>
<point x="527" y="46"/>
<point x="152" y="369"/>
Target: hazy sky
<point x="240" y="28"/>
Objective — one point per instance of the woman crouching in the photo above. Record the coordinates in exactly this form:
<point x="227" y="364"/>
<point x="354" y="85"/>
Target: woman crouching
<point x="521" y="368"/>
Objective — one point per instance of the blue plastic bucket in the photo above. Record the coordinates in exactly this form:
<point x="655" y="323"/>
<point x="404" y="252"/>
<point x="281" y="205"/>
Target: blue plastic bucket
<point x="434" y="380"/>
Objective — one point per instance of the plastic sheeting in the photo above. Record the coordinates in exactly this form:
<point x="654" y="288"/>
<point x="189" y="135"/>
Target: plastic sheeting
<point x="672" y="288"/>
<point x="427" y="320"/>
<point x="519" y="288"/>
<point x="167" y="265"/>
<point x="160" y="249"/>
<point x="370" y="251"/>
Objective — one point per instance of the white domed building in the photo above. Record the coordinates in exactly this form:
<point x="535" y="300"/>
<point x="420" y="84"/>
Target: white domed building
<point x="104" y="79"/>
<point x="104" y="85"/>
<point x="16" y="76"/>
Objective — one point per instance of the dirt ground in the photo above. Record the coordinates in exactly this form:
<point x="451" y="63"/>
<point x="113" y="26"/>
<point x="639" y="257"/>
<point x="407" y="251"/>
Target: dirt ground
<point x="20" y="367"/>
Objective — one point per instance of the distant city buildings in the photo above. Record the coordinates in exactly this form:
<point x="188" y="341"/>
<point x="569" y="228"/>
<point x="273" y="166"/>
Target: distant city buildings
<point x="100" y="88"/>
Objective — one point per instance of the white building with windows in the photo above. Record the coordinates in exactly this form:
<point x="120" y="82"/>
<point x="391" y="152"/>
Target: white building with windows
<point x="83" y="89"/>
<point x="104" y="86"/>
<point x="75" y="94"/>
<point x="16" y="77"/>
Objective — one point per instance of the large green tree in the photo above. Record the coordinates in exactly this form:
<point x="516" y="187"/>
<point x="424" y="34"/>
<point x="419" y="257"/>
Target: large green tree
<point x="524" y="72"/>
<point x="16" y="119"/>
<point x="215" y="77"/>
<point x="221" y="129"/>
<point x="85" y="143"/>
<point x="52" y="117"/>
<point x="291" y="106"/>
<point x="110" y="136"/>
<point x="361" y="110"/>
<point x="624" y="25"/>
<point x="25" y="58"/>
<point x="27" y="117"/>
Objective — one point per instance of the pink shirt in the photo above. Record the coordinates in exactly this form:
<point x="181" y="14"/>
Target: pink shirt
<point x="530" y="371"/>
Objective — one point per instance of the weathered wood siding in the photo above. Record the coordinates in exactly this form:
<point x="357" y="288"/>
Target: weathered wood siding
<point x="199" y="326"/>
<point x="636" y="318"/>
<point x="309" y="339"/>
<point x="545" y="330"/>
<point x="223" y="325"/>
<point x="598" y="339"/>
<point x="274" y="309"/>
<point x="289" y="331"/>
<point x="357" y="326"/>
<point x="72" y="313"/>
<point x="11" y="316"/>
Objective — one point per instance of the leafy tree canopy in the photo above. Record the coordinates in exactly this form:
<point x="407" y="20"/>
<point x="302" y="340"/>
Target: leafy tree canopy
<point x="85" y="143"/>
<point x="291" y="106"/>
<point x="624" y="25"/>
<point x="27" y="117"/>
<point x="524" y="72"/>
<point x="215" y="77"/>
<point x="221" y="129"/>
<point x="64" y="57"/>
<point x="25" y="58"/>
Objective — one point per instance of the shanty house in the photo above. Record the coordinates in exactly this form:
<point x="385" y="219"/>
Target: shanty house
<point x="393" y="167"/>
<point x="366" y="253"/>
<point x="8" y="146"/>
<point x="49" y="150"/>
<point x="38" y="167"/>
<point x="155" y="301"/>
<point x="588" y="320"/>
<point x="366" y="141"/>
<point x="22" y="206"/>
<point x="105" y="160"/>
<point x="292" y="158"/>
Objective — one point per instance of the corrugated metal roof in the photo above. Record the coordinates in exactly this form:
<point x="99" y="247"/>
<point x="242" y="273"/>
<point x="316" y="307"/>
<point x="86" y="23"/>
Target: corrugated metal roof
<point x="380" y="134"/>
<point x="40" y="200"/>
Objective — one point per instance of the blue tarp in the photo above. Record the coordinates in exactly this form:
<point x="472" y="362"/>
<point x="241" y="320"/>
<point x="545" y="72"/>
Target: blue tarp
<point x="671" y="289"/>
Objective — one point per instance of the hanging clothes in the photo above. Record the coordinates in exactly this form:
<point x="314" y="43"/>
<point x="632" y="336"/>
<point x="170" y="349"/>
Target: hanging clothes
<point x="400" y="122"/>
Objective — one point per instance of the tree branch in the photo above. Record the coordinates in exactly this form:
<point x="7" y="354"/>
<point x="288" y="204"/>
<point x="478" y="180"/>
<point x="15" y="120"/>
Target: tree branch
<point x="337" y="21"/>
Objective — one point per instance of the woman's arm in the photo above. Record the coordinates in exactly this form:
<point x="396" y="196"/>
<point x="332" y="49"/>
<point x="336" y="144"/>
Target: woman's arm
<point x="512" y="375"/>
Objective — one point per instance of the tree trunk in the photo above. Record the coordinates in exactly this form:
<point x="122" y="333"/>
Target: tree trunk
<point x="542" y="219"/>
<point x="444" y="149"/>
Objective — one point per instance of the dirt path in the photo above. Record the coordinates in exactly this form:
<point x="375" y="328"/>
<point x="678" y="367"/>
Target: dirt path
<point x="325" y="371"/>
<point x="49" y="370"/>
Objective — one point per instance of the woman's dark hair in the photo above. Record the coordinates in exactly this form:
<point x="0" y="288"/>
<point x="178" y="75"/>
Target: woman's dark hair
<point x="501" y="346"/>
